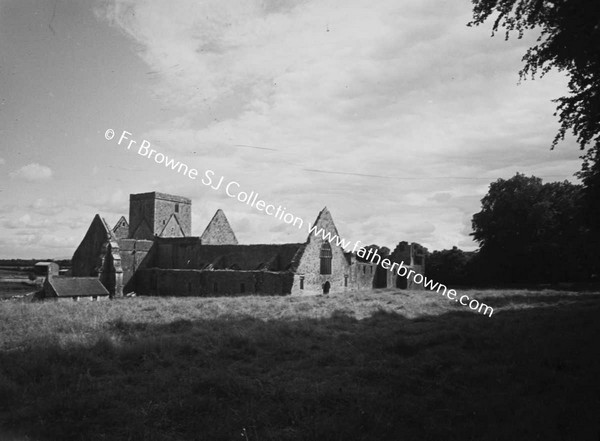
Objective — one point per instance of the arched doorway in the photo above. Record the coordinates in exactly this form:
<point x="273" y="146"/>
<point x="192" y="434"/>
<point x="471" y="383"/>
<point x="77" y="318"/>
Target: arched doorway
<point x="326" y="287"/>
<point x="401" y="282"/>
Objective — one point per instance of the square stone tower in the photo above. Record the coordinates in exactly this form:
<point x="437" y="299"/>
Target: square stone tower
<point x="159" y="214"/>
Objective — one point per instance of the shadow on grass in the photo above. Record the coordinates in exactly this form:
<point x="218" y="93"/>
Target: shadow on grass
<point x="521" y="375"/>
<point x="540" y="298"/>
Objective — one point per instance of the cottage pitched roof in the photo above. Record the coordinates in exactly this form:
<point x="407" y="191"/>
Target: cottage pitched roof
<point x="77" y="286"/>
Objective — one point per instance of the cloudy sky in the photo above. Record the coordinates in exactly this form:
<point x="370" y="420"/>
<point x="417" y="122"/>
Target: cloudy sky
<point x="393" y="114"/>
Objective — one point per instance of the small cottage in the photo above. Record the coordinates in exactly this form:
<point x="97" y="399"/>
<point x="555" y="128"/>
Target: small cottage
<point x="74" y="288"/>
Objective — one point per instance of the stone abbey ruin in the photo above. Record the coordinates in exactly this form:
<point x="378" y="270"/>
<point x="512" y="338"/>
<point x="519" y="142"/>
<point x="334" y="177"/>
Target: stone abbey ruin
<point x="154" y="254"/>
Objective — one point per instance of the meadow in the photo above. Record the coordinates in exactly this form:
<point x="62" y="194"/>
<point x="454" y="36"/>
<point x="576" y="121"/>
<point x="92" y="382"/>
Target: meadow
<point x="382" y="365"/>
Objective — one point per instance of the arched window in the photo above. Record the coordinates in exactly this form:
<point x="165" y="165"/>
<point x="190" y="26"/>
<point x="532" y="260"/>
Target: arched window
<point x="326" y="258"/>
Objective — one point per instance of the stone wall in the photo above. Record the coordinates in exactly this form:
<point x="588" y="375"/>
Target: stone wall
<point x="173" y="282"/>
<point x="98" y="256"/>
<point x="413" y="257"/>
<point x="121" y="229"/>
<point x="218" y="231"/>
<point x="149" y="214"/>
<point x="362" y="275"/>
<point x="309" y="268"/>
<point x="134" y="255"/>
<point x="395" y="281"/>
<point x="167" y="206"/>
<point x="141" y="216"/>
<point x="177" y="254"/>
<point x="190" y="253"/>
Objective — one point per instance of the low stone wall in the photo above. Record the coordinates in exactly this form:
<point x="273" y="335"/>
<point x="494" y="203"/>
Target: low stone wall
<point x="172" y="282"/>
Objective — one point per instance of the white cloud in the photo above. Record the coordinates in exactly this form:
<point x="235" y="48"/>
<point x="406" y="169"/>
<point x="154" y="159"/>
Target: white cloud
<point x="32" y="172"/>
<point x="49" y="206"/>
<point x="26" y="221"/>
<point x="2" y="161"/>
<point x="115" y="202"/>
<point x="404" y="91"/>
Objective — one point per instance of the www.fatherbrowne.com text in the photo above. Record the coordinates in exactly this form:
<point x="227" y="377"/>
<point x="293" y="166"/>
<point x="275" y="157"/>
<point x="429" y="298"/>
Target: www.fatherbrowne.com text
<point x="234" y="190"/>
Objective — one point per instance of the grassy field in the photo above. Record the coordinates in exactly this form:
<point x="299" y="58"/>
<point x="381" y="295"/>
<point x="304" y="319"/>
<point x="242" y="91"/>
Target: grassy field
<point x="384" y="365"/>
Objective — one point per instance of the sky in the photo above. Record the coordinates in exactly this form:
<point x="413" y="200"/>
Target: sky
<point x="395" y="115"/>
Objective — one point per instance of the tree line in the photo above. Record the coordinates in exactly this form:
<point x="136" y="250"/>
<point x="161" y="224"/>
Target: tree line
<point x="552" y="232"/>
<point x="528" y="232"/>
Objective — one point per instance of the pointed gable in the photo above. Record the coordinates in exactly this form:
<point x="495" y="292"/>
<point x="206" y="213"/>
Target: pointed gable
<point x="218" y="231"/>
<point x="98" y="255"/>
<point x="143" y="230"/>
<point x="172" y="228"/>
<point x="87" y="257"/>
<point x="322" y="263"/>
<point x="323" y="224"/>
<point x="121" y="228"/>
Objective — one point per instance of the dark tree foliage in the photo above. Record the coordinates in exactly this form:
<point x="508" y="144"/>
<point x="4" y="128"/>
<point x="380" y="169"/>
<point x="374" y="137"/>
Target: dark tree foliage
<point x="449" y="267"/>
<point x="531" y="232"/>
<point x="570" y="42"/>
<point x="590" y="202"/>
